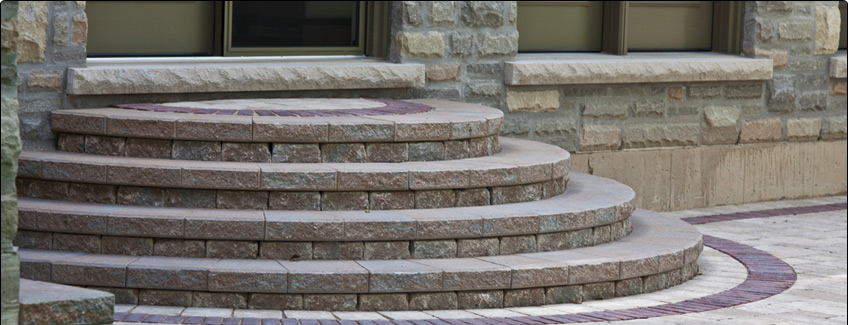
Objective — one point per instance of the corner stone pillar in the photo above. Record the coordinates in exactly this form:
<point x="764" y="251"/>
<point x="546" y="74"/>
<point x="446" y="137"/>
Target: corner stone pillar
<point x="10" y="147"/>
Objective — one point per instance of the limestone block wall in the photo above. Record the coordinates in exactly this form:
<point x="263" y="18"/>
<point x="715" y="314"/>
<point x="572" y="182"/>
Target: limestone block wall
<point x="10" y="147"/>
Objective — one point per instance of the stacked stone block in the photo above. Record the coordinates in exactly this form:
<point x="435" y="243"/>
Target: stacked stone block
<point x="10" y="146"/>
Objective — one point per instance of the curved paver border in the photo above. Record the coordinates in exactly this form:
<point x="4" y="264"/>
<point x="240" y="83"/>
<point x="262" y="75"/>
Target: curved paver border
<point x="767" y="276"/>
<point x="392" y="107"/>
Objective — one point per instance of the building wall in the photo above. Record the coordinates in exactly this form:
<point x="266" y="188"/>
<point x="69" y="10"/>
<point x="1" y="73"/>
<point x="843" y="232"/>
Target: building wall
<point x="465" y="46"/>
<point x="10" y="147"/>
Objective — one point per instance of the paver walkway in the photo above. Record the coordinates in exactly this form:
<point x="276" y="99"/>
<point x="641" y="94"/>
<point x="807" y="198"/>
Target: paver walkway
<point x="807" y="235"/>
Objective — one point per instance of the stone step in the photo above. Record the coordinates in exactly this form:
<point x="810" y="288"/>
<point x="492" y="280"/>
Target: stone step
<point x="275" y="121"/>
<point x="592" y="211"/>
<point x="50" y="303"/>
<point x="660" y="252"/>
<point x="523" y="171"/>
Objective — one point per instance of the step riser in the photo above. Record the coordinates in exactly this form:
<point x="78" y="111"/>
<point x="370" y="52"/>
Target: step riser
<point x="332" y="250"/>
<point x="286" y="200"/>
<point x="408" y="301"/>
<point x="279" y="152"/>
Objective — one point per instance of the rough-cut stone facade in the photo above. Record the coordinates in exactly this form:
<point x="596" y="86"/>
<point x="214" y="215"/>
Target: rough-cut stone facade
<point x="10" y="146"/>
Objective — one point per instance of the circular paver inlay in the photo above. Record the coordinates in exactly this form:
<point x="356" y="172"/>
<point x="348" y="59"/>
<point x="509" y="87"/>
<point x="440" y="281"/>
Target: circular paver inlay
<point x="303" y="107"/>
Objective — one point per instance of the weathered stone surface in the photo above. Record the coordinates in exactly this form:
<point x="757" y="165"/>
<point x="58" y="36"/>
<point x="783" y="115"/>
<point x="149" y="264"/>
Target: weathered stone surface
<point x="275" y="301"/>
<point x="148" y="148"/>
<point x="434" y="249"/>
<point x="600" y="137"/>
<point x="80" y="35"/>
<point x="827" y="29"/>
<point x="134" y="246"/>
<point x="803" y="129"/>
<point x="660" y="135"/>
<point x="598" y="291"/>
<point x="764" y="130"/>
<point x="703" y="91"/>
<point x="426" y="151"/>
<point x="443" y="12"/>
<point x="143" y="196"/>
<point x="462" y="45"/>
<point x="389" y="301"/>
<point x="286" y="250"/>
<point x="517" y="193"/>
<point x="435" y="199"/>
<point x="838" y="67"/>
<point x="48" y="303"/>
<point x="107" y="146"/>
<point x="92" y="193"/>
<point x="294" y="200"/>
<point x="219" y="300"/>
<point x="606" y="108"/>
<point x="838" y="88"/>
<point x="675" y="94"/>
<point x="485" y="88"/>
<point x="232" y="249"/>
<point x="71" y="142"/>
<point x="164" y="297"/>
<point x="197" y="150"/>
<point x="61" y="29"/>
<point x="564" y="294"/>
<point x="247" y="152"/>
<point x="745" y="91"/>
<point x="386" y="250"/>
<point x="338" y="250"/>
<point x="498" y="44"/>
<point x="473" y="197"/>
<point x="812" y="101"/>
<point x="341" y="302"/>
<point x="142" y="80"/>
<point x="532" y="101"/>
<point x="480" y="299"/>
<point x="722" y="124"/>
<point x="834" y="128"/>
<point x="421" y="44"/>
<point x="430" y="301"/>
<point x="517" y="245"/>
<point x="391" y="200"/>
<point x="412" y="14"/>
<point x="256" y="200"/>
<point x="179" y="247"/>
<point x="343" y="152"/>
<point x="559" y="72"/>
<point x="477" y="247"/>
<point x="334" y="201"/>
<point x="482" y="13"/>
<point x="777" y="56"/>
<point x="387" y="152"/>
<point x="296" y="153"/>
<point x="442" y="72"/>
<point x="796" y="30"/>
<point x="190" y="198"/>
<point x="524" y="297"/>
<point x="32" y="31"/>
<point x="46" y="79"/>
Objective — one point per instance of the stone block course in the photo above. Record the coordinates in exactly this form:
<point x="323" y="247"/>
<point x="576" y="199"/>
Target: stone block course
<point x="803" y="129"/>
<point x="722" y="124"/>
<point x="765" y="130"/>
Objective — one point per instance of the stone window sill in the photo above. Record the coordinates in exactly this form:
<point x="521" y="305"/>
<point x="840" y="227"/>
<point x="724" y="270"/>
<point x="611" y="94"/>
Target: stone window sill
<point x="594" y="68"/>
<point x="838" y="65"/>
<point x="215" y="74"/>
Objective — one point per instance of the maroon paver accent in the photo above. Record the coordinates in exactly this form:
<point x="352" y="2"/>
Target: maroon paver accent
<point x="767" y="276"/>
<point x="393" y="107"/>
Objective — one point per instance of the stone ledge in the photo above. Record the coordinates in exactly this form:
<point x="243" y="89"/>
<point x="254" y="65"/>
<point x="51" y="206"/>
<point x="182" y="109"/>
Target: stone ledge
<point x="838" y="66"/>
<point x="637" y="68"/>
<point x="43" y="303"/>
<point x="231" y="77"/>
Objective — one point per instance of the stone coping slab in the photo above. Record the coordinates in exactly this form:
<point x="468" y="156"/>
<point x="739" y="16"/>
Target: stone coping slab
<point x="589" y="202"/>
<point x="446" y="121"/>
<point x="838" y="66"/>
<point x="519" y="162"/>
<point x="239" y="77"/>
<point x="658" y="245"/>
<point x="44" y="302"/>
<point x="612" y="69"/>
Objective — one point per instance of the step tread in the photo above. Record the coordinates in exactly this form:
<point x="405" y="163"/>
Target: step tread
<point x="661" y="244"/>
<point x="588" y="201"/>
<point x="447" y="121"/>
<point x="520" y="162"/>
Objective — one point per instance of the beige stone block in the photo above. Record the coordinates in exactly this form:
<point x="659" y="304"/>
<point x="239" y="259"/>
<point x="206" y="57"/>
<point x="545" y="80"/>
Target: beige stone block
<point x="660" y="135"/>
<point x="80" y="35"/>
<point x="838" y="67"/>
<point x="834" y="128"/>
<point x="829" y="167"/>
<point x="46" y="79"/>
<point x="722" y="124"/>
<point x="442" y="72"/>
<point x="685" y="185"/>
<point x="723" y="173"/>
<point x="778" y="57"/>
<point x="532" y="101"/>
<point x="579" y="162"/>
<point x="793" y="30"/>
<point x="764" y="130"/>
<point x="600" y="137"/>
<point x="498" y="44"/>
<point x="421" y="44"/>
<point x="827" y="29"/>
<point x="776" y="171"/>
<point x="32" y="31"/>
<point x="803" y="129"/>
<point x="838" y="87"/>
<point x="443" y="12"/>
<point x="675" y="94"/>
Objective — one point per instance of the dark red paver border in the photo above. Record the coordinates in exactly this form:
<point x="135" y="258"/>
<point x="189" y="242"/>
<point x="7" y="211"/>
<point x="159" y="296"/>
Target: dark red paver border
<point x="392" y="107"/>
<point x="767" y="276"/>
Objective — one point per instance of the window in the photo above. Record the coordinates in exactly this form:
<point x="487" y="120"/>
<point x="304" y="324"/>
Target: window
<point x="230" y="28"/>
<point x="621" y="26"/>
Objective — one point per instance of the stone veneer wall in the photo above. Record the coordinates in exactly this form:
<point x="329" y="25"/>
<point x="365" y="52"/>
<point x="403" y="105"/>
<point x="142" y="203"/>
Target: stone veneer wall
<point x="464" y="46"/>
<point x="10" y="147"/>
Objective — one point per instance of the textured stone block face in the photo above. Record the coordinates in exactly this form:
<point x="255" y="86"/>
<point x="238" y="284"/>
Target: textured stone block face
<point x="660" y="135"/>
<point x="335" y="201"/>
<point x="33" y="239"/>
<point x="179" y="247"/>
<point x="552" y="241"/>
<point x="187" y="198"/>
<point x="379" y="302"/>
<point x="387" y="152"/>
<point x="524" y="297"/>
<point x="834" y="128"/>
<point x="247" y="152"/>
<point x="482" y="13"/>
<point x="827" y="29"/>
<point x="76" y="243"/>
<point x="473" y="197"/>
<point x="477" y="247"/>
<point x="778" y="57"/>
<point x="765" y="130"/>
<point x="275" y="301"/>
<point x="600" y="137"/>
<point x="532" y="101"/>
<point x="456" y="150"/>
<point x="434" y="249"/>
<point x="391" y="200"/>
<point x="164" y="297"/>
<point x="122" y="295"/>
<point x="71" y="142"/>
<point x="803" y="129"/>
<point x="296" y="153"/>
<point x="143" y="196"/>
<point x="232" y="249"/>
<point x="338" y="250"/>
<point x="92" y="193"/>
<point x="426" y="151"/>
<point x="435" y="199"/>
<point x="197" y="150"/>
<point x="343" y="152"/>
<point x="518" y="193"/>
<point x="256" y="200"/>
<point x="46" y="79"/>
<point x="286" y="250"/>
<point x="442" y="72"/>
<point x="745" y="91"/>
<point x="294" y="200"/>
<point x="517" y="245"/>
<point x="343" y="302"/>
<point x="598" y="291"/>
<point x="433" y="301"/>
<point x="219" y="300"/>
<point x="796" y="30"/>
<point x="722" y="124"/>
<point x="42" y="189"/>
<point x="107" y="146"/>
<point x="581" y="238"/>
<point x="386" y="250"/>
<point x="421" y="44"/>
<point x="134" y="246"/>
<point x="498" y="44"/>
<point x="480" y="299"/>
<point x="564" y="294"/>
<point x="148" y="148"/>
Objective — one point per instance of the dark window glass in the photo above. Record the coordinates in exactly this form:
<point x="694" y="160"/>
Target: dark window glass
<point x="294" y="24"/>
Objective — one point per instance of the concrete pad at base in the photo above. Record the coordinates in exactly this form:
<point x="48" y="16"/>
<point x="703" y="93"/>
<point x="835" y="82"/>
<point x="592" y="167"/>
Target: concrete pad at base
<point x="48" y="303"/>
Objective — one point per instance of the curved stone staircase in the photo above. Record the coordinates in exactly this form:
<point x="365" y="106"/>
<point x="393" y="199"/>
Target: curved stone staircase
<point x="333" y="205"/>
